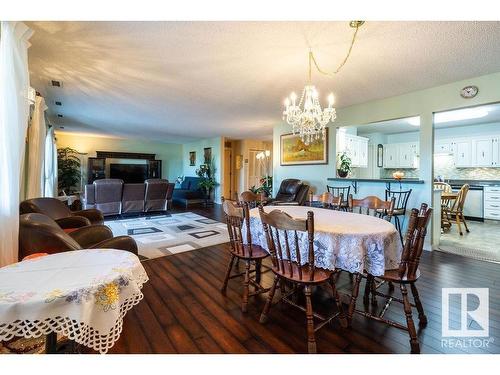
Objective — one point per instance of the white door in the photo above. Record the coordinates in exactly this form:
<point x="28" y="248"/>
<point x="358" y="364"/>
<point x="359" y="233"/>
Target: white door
<point x="462" y="152"/>
<point x="390" y="156"/>
<point x="255" y="169"/>
<point x="404" y="152"/>
<point x="495" y="152"/>
<point x="483" y="152"/>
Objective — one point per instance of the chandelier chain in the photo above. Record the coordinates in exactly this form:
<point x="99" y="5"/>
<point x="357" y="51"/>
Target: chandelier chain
<point x="312" y="59"/>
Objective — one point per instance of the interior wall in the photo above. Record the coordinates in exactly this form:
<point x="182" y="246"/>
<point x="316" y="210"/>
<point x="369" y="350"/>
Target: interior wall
<point x="421" y="103"/>
<point x="169" y="153"/>
<point x="217" y="145"/>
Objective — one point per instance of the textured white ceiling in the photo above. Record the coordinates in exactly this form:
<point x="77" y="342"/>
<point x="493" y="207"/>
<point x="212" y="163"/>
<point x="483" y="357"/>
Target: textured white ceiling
<point x="175" y="81"/>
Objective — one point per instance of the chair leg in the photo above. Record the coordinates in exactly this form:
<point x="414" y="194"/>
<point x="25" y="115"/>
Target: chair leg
<point x="354" y="296"/>
<point x="258" y="270"/>
<point x="311" y="339"/>
<point x="422" y="319"/>
<point x="237" y="264"/>
<point x="398" y="227"/>
<point x="246" y="287"/>
<point x="228" y="273"/>
<point x="263" y="315"/>
<point x="368" y="288"/>
<point x="342" y="317"/>
<point x="465" y="223"/>
<point x="457" y="219"/>
<point x="415" y="346"/>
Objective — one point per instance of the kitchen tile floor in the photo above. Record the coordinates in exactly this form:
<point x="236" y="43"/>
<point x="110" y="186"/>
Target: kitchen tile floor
<point x="482" y="242"/>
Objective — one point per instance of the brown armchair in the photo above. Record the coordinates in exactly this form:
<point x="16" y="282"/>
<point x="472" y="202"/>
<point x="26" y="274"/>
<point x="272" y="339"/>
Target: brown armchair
<point x="60" y="213"/>
<point x="291" y="192"/>
<point x="38" y="233"/>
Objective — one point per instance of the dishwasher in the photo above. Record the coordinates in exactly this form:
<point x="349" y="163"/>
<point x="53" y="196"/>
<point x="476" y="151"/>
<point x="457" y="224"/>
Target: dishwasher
<point x="473" y="205"/>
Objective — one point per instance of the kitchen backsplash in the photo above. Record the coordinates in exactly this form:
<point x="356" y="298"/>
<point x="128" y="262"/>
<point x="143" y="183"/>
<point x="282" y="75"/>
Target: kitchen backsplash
<point x="444" y="166"/>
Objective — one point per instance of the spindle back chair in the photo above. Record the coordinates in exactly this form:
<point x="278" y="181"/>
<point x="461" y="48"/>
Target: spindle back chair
<point x="286" y="237"/>
<point x="372" y="205"/>
<point x="326" y="200"/>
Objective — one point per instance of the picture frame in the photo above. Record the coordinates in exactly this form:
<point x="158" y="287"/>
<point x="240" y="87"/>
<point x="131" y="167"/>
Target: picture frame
<point x="207" y="155"/>
<point x="192" y="158"/>
<point x="295" y="152"/>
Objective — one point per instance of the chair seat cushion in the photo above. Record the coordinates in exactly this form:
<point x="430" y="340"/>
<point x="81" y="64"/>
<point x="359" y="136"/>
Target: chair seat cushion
<point x="320" y="274"/>
<point x="257" y="252"/>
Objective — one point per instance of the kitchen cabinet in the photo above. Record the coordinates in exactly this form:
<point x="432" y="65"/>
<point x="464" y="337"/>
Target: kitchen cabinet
<point x="495" y="152"/>
<point x="462" y="153"/>
<point x="401" y="155"/>
<point x="483" y="152"/>
<point x="355" y="147"/>
<point x="492" y="202"/>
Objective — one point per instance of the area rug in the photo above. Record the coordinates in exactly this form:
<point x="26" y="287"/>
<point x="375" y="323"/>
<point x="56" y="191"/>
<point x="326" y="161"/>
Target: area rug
<point x="163" y="235"/>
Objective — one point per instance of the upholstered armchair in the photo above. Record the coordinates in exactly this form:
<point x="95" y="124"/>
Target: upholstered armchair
<point x="291" y="192"/>
<point x="38" y="233"/>
<point x="60" y="212"/>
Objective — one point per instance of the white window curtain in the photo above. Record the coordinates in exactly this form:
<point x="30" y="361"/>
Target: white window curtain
<point x="50" y="189"/>
<point x="14" y="112"/>
<point x="36" y="150"/>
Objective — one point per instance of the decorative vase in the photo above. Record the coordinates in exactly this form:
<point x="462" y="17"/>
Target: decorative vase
<point x="342" y="174"/>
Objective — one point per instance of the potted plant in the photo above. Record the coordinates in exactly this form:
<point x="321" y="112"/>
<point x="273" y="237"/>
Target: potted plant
<point x="343" y="165"/>
<point x="206" y="173"/>
<point x="68" y="170"/>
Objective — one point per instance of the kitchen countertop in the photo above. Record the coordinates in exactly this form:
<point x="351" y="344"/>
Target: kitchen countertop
<point x="474" y="182"/>
<point x="385" y="180"/>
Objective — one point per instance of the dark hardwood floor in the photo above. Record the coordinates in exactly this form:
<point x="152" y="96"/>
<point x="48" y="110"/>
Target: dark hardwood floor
<point x="183" y="310"/>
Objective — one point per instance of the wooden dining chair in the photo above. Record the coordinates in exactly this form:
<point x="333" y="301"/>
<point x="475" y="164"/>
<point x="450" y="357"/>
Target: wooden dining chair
<point x="290" y="266"/>
<point x="372" y="205"/>
<point x="247" y="252"/>
<point x="252" y="199"/>
<point x="406" y="274"/>
<point x="442" y="186"/>
<point x="326" y="200"/>
<point x="457" y="209"/>
<point x="340" y="190"/>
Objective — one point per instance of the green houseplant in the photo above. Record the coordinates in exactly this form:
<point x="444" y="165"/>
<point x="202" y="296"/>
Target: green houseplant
<point x="344" y="164"/>
<point x="206" y="173"/>
<point x="68" y="170"/>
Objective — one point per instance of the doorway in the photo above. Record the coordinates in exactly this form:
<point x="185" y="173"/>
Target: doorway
<point x="466" y="166"/>
<point x="228" y="174"/>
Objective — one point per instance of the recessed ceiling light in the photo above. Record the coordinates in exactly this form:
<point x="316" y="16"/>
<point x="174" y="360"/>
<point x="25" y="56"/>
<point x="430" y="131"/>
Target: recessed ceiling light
<point x="460" y="115"/>
<point x="59" y="115"/>
<point x="414" y="121"/>
<point x="55" y="83"/>
<point x="58" y="103"/>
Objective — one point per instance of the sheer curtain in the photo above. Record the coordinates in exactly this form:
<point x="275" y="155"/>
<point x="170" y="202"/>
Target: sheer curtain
<point x="50" y="189"/>
<point x="36" y="151"/>
<point x="14" y="111"/>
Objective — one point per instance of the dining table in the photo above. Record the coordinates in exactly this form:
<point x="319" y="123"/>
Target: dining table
<point x="342" y="240"/>
<point x="82" y="295"/>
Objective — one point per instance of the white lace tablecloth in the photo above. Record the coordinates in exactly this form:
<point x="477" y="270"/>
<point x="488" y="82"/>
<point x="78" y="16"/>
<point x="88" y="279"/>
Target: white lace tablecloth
<point x="349" y="241"/>
<point x="83" y="295"/>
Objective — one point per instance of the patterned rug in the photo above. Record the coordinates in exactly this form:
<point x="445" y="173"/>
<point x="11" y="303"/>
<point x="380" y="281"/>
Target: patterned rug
<point x="168" y="234"/>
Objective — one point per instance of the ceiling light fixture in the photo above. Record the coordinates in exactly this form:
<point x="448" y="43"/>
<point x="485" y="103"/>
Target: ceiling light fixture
<point x="414" y="121"/>
<point x="306" y="116"/>
<point x="460" y="115"/>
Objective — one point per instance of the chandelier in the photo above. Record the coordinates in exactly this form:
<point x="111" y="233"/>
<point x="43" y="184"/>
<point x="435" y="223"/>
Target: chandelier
<point x="306" y="116"/>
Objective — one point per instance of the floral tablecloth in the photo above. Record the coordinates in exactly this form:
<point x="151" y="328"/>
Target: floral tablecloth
<point x="83" y="295"/>
<point x="349" y="241"/>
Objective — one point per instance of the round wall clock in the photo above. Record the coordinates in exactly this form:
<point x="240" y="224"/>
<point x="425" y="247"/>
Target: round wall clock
<point x="469" y="92"/>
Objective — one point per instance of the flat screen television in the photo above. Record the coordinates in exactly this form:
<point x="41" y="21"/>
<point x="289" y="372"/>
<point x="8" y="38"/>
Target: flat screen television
<point x="129" y="173"/>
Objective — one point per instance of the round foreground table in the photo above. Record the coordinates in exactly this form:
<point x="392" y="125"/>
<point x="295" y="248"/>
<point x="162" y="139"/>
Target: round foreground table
<point x="82" y="295"/>
<point x="349" y="241"/>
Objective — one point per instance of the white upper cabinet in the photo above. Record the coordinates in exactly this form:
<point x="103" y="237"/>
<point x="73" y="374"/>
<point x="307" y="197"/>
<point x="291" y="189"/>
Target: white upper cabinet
<point x="482" y="152"/>
<point x="462" y="151"/>
<point x="355" y="147"/>
<point x="401" y="155"/>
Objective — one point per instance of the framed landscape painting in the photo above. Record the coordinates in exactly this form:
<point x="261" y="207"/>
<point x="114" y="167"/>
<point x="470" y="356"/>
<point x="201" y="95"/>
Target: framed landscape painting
<point x="296" y="152"/>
